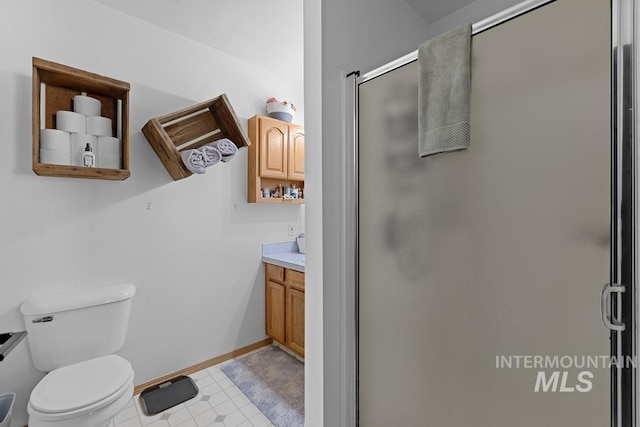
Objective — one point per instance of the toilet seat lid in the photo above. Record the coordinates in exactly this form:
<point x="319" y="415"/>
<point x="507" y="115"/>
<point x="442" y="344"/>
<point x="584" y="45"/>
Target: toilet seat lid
<point x="77" y="386"/>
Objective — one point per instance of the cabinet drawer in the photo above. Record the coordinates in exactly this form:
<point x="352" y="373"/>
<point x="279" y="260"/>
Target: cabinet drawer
<point x="274" y="272"/>
<point x="295" y="279"/>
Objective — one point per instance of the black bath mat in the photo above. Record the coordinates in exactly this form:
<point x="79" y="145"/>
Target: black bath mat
<point x="168" y="394"/>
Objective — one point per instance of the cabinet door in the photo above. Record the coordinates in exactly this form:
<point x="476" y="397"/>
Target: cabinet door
<point x="295" y="320"/>
<point x="295" y="279"/>
<point x="275" y="294"/>
<point x="274" y="272"/>
<point x="273" y="148"/>
<point x="296" y="153"/>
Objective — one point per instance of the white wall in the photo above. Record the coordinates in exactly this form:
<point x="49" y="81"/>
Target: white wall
<point x="314" y="288"/>
<point x="195" y="256"/>
<point x="353" y="35"/>
<point x="472" y="13"/>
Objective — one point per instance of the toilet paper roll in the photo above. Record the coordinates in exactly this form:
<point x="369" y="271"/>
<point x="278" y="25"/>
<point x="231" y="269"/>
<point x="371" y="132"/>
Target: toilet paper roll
<point x="76" y="159"/>
<point x="99" y="126"/>
<point x="87" y="105"/>
<point x="109" y="146"/>
<point x="109" y="162"/>
<point x="55" y="157"/>
<point x="71" y="122"/>
<point x="54" y="139"/>
<point x="80" y="140"/>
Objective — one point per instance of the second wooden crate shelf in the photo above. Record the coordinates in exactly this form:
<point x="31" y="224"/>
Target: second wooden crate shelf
<point x="190" y="128"/>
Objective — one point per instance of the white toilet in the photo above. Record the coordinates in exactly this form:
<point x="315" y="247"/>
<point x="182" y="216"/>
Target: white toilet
<point x="73" y="336"/>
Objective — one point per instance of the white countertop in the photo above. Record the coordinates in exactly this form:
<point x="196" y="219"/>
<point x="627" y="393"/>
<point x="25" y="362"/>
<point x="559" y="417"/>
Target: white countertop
<point x="284" y="255"/>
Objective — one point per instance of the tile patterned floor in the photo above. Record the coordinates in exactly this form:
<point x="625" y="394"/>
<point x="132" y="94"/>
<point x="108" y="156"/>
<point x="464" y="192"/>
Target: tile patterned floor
<point x="219" y="403"/>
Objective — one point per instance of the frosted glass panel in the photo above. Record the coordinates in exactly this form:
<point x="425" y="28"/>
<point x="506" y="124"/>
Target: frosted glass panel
<point x="500" y="250"/>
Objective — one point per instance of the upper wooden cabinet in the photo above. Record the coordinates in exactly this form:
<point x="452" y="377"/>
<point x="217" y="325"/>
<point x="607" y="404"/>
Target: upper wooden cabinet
<point x="273" y="143"/>
<point x="296" y="153"/>
<point x="276" y="158"/>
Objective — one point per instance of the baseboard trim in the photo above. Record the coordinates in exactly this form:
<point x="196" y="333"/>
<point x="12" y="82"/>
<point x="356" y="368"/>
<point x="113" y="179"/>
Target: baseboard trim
<point x="203" y="365"/>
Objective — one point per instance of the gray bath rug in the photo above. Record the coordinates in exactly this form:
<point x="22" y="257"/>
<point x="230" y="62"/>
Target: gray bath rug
<point x="274" y="381"/>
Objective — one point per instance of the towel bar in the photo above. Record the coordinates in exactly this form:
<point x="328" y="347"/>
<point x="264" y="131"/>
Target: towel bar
<point x="8" y="341"/>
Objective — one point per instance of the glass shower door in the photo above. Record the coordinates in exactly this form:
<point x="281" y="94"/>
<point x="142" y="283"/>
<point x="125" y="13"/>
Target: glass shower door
<point x="480" y="272"/>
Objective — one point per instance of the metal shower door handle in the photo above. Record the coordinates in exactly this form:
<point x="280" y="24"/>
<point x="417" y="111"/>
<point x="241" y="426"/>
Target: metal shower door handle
<point x="605" y="304"/>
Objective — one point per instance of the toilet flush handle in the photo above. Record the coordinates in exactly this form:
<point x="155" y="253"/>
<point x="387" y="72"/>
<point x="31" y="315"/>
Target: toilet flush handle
<point x="44" y="319"/>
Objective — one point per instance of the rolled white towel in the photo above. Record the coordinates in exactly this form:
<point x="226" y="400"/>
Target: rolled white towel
<point x="194" y="160"/>
<point x="227" y="148"/>
<point x="211" y="155"/>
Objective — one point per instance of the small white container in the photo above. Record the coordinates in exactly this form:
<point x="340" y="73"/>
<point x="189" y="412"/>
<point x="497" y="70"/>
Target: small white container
<point x="54" y="139"/>
<point x="71" y="122"/>
<point x="79" y="142"/>
<point x="6" y="408"/>
<point x="87" y="105"/>
<point x="55" y="157"/>
<point x="279" y="111"/>
<point x="88" y="158"/>
<point x="99" y="126"/>
<point x="301" y="241"/>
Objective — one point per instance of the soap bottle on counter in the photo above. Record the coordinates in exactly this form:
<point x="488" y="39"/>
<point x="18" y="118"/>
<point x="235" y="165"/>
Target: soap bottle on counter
<point x="88" y="158"/>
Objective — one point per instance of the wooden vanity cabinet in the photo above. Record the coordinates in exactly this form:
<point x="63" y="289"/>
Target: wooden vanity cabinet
<point x="294" y="314"/>
<point x="275" y="297"/>
<point x="284" y="307"/>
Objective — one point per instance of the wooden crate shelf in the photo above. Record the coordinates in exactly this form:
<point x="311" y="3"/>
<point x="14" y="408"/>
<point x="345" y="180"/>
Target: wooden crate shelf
<point x="190" y="128"/>
<point x="61" y="83"/>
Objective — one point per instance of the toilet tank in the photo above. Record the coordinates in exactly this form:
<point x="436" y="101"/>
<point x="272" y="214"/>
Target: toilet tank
<point x="74" y="326"/>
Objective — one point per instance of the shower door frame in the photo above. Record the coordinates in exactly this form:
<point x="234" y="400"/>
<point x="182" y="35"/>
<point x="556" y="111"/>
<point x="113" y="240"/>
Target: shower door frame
<point x="624" y="197"/>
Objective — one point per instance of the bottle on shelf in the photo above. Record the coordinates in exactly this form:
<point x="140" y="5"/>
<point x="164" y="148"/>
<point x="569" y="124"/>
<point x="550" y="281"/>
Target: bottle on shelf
<point x="88" y="158"/>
